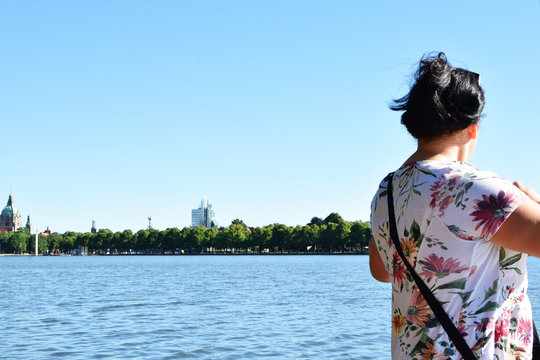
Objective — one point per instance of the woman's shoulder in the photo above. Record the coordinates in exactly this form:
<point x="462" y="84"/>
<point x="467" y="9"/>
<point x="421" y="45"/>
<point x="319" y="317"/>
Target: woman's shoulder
<point x="474" y="201"/>
<point x="459" y="171"/>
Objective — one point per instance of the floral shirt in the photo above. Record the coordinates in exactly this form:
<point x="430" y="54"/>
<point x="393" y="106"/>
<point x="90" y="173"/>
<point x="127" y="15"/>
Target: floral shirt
<point x="446" y="213"/>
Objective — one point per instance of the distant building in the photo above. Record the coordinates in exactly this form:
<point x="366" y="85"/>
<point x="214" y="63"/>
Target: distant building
<point x="93" y="230"/>
<point x="29" y="225"/>
<point x="10" y="219"/>
<point x="203" y="216"/>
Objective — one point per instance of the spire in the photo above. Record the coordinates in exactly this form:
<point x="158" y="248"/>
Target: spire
<point x="29" y="224"/>
<point x="10" y="200"/>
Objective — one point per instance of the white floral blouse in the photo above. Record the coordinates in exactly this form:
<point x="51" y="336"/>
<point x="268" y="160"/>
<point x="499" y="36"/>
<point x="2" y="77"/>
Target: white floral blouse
<point x="446" y="213"/>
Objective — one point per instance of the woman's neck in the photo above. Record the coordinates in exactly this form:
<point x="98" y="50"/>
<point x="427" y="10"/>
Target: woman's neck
<point x="451" y="148"/>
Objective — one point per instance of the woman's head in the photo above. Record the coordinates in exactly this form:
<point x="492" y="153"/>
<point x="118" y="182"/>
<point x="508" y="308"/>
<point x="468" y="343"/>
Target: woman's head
<point x="442" y="99"/>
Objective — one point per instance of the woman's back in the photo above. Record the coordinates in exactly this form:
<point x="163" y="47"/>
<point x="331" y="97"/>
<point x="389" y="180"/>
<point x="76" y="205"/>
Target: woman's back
<point x="446" y="213"/>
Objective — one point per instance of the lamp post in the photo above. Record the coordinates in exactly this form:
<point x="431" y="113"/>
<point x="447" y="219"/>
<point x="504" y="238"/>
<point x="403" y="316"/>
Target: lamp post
<point x="36" y="247"/>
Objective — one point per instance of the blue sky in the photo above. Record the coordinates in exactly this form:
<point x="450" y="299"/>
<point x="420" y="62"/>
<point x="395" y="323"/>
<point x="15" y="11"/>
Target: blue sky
<point x="275" y="110"/>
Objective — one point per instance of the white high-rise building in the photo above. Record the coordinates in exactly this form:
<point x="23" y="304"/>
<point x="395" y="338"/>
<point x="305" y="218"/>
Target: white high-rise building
<point x="203" y="216"/>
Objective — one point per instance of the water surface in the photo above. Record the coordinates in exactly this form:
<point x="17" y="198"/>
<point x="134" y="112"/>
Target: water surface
<point x="201" y="307"/>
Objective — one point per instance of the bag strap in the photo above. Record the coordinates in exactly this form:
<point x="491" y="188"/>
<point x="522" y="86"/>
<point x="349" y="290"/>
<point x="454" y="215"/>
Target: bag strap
<point x="444" y="320"/>
<point x="536" y="344"/>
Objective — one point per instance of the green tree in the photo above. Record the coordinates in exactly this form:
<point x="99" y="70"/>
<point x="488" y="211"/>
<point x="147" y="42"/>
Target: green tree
<point x="327" y="237"/>
<point x="53" y="241"/>
<point x="316" y="221"/>
<point x="280" y="237"/>
<point x="95" y="242"/>
<point x="43" y="243"/>
<point x="124" y="240"/>
<point x="237" y="235"/>
<point x="259" y="238"/>
<point x="238" y="222"/>
<point x="172" y="238"/>
<point x="67" y="242"/>
<point x="360" y="235"/>
<point x="83" y="240"/>
<point x="334" y="236"/>
<point x="342" y="234"/>
<point x="141" y="240"/>
<point x="4" y="246"/>
<point x="298" y="240"/>
<point x="311" y="234"/>
<point x="333" y="218"/>
<point x="209" y="240"/>
<point x="222" y="240"/>
<point x="153" y="239"/>
<point x="17" y="242"/>
<point x="31" y="241"/>
<point x="103" y="239"/>
<point x="195" y="238"/>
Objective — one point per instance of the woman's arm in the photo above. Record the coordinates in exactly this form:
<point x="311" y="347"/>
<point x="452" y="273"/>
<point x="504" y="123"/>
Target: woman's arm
<point x="376" y="265"/>
<point x="521" y="231"/>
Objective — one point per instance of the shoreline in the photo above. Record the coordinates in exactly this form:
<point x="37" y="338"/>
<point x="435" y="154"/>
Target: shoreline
<point x="196" y="254"/>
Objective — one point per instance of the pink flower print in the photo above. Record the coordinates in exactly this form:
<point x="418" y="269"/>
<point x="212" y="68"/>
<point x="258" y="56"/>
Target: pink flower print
<point x="524" y="330"/>
<point x="443" y="192"/>
<point x="437" y="266"/>
<point x="419" y="311"/>
<point x="485" y="325"/>
<point x="446" y="201"/>
<point x="491" y="212"/>
<point x="399" y="271"/>
<point x="472" y="271"/>
<point x="480" y="326"/>
<point x="501" y="329"/>
<point x="502" y="325"/>
<point x="462" y="328"/>
<point x="437" y="185"/>
<point x="433" y="202"/>
<point x="435" y="195"/>
<point x="490" y="325"/>
<point x="460" y="233"/>
<point x="453" y="180"/>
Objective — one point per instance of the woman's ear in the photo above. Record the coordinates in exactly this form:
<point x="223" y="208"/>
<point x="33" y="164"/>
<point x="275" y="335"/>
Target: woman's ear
<point x="473" y="130"/>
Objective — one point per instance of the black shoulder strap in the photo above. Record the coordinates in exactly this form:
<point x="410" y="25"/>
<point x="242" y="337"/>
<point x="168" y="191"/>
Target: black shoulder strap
<point x="435" y="305"/>
<point x="536" y="344"/>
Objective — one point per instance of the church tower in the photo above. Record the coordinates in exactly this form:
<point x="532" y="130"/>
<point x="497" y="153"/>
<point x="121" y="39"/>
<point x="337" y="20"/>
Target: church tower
<point x="29" y="225"/>
<point x="10" y="219"/>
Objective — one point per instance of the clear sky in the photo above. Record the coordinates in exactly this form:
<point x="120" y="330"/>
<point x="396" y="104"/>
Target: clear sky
<point x="275" y="110"/>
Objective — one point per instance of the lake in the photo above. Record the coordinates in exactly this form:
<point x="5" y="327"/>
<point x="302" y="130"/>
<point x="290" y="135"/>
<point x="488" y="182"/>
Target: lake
<point x="200" y="307"/>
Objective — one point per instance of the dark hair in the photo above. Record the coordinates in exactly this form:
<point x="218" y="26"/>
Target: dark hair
<point x="442" y="99"/>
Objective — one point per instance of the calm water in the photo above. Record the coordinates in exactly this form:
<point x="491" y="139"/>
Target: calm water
<point x="206" y="307"/>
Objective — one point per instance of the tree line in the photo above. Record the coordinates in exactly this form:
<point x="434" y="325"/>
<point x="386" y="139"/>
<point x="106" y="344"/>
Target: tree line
<point x="332" y="234"/>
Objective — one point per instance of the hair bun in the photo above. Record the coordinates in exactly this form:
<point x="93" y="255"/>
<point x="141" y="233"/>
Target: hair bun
<point x="440" y="70"/>
<point x="442" y="99"/>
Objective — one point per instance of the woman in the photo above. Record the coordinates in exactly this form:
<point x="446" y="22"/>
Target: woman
<point x="466" y="232"/>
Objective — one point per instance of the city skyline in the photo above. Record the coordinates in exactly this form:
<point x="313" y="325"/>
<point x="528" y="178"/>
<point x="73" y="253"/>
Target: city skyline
<point x="203" y="215"/>
<point x="275" y="110"/>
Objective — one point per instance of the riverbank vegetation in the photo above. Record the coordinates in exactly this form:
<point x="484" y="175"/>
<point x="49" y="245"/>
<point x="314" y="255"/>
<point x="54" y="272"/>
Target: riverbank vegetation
<point x="332" y="234"/>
